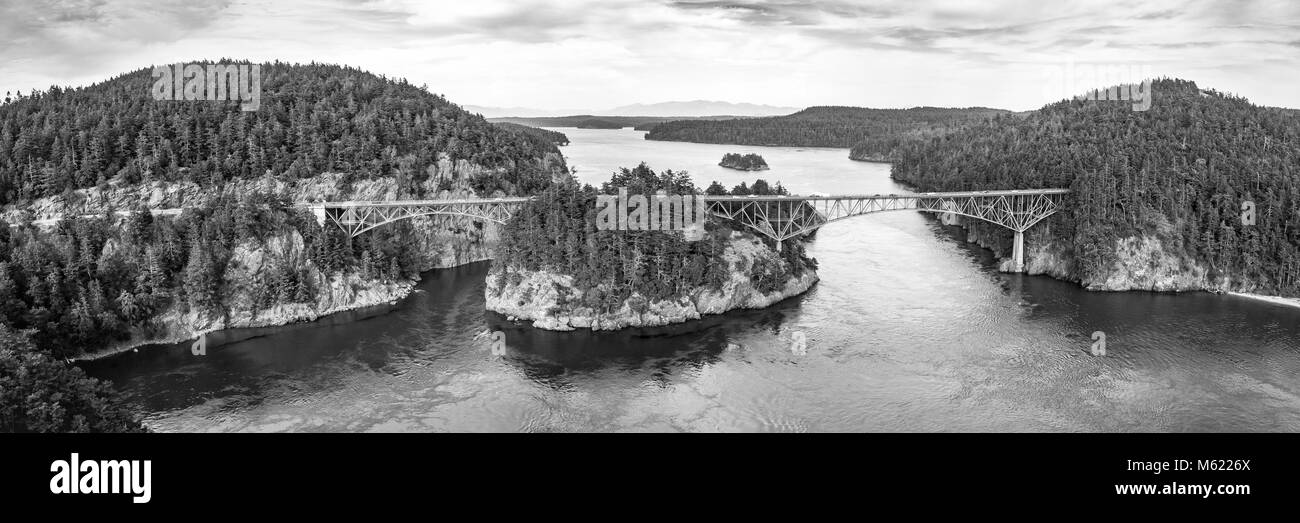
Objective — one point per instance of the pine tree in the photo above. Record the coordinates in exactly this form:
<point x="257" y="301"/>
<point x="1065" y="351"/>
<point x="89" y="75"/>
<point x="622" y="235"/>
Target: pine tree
<point x="200" y="280"/>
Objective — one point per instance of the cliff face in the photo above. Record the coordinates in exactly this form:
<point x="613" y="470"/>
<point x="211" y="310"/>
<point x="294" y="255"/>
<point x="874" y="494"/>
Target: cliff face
<point x="334" y="293"/>
<point x="325" y="186"/>
<point x="1138" y="263"/>
<point x="551" y="301"/>
<point x="440" y="242"/>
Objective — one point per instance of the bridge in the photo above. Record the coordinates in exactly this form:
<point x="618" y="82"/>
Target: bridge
<point x="356" y="217"/>
<point x="777" y="217"/>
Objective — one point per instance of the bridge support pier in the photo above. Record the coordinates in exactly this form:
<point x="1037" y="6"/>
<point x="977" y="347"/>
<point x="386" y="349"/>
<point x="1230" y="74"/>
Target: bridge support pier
<point x="1018" y="252"/>
<point x="319" y="212"/>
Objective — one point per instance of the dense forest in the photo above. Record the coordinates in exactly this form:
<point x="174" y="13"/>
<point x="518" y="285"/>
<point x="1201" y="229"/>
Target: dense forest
<point x="313" y="118"/>
<point x="96" y="280"/>
<point x="550" y="137"/>
<point x="759" y="188"/>
<point x="599" y="123"/>
<point x="91" y="281"/>
<point x="39" y="393"/>
<point x="556" y="232"/>
<point x="1179" y="171"/>
<point x="744" y="162"/>
<point x="823" y="127"/>
<point x="641" y="123"/>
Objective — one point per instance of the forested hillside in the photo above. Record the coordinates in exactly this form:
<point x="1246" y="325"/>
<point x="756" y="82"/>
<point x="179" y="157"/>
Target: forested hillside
<point x="1177" y="173"/>
<point x="239" y="254"/>
<point x="313" y="119"/>
<point x="548" y="137"/>
<point x="823" y="127"/>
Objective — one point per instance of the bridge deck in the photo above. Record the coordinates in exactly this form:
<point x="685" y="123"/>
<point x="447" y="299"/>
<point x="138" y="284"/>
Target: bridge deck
<point x="402" y="203"/>
<point x="965" y="194"/>
<point x="750" y="198"/>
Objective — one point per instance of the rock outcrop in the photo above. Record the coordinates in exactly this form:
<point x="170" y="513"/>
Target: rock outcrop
<point x="1138" y="263"/>
<point x="552" y="302"/>
<point x="439" y="242"/>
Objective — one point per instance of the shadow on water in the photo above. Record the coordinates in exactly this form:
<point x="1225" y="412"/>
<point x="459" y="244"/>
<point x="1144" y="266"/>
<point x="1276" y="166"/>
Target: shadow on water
<point x="443" y="324"/>
<point x="551" y="357"/>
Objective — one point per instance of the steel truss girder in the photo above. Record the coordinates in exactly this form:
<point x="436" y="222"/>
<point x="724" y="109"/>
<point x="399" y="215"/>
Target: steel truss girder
<point x="777" y="217"/>
<point x="782" y="218"/>
<point x="355" y="218"/>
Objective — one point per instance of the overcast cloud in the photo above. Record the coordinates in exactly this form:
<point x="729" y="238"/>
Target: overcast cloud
<point x="598" y="54"/>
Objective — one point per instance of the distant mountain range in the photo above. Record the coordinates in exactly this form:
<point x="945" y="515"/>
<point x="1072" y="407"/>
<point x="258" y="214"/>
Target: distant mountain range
<point x="694" y="108"/>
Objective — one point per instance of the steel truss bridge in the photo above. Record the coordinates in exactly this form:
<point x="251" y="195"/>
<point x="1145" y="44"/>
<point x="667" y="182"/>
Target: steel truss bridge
<point x="777" y="217"/>
<point x="356" y="217"/>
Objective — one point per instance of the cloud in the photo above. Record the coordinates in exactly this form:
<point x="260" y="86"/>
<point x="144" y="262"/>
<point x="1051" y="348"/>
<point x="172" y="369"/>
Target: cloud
<point x="605" y="53"/>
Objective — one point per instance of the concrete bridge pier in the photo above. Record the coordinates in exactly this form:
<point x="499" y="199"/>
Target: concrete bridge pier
<point x="1018" y="252"/>
<point x="319" y="211"/>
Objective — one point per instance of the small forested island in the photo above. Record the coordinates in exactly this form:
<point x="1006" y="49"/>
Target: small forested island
<point x="555" y="268"/>
<point x="597" y="123"/>
<point x="746" y="162"/>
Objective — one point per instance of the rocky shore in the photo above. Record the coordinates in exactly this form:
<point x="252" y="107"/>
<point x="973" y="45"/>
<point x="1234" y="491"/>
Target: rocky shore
<point x="439" y="245"/>
<point x="1140" y="263"/>
<point x="550" y="301"/>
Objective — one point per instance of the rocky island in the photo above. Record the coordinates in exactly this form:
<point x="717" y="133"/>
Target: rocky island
<point x="746" y="162"/>
<point x="557" y="270"/>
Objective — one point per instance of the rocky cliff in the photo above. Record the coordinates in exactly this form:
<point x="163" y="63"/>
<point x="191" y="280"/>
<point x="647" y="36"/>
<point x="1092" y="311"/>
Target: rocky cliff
<point x="334" y="293"/>
<point x="1138" y="263"/>
<point x="440" y="242"/>
<point x="552" y="302"/>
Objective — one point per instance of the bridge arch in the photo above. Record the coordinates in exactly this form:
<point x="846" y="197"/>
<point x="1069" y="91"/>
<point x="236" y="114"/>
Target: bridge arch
<point x="778" y="217"/>
<point x="785" y="217"/>
<point x="356" y="218"/>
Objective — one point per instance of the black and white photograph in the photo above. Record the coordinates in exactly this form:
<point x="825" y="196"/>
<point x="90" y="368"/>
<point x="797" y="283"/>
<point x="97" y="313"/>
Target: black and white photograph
<point x="878" y="218"/>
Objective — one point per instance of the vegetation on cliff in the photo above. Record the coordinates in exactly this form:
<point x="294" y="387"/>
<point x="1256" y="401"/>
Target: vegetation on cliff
<point x="867" y="129"/>
<point x="313" y="118"/>
<point x="41" y="394"/>
<point x="745" y="162"/>
<point x="556" y="232"/>
<point x="530" y="133"/>
<point x="94" y="282"/>
<point x="1179" y="172"/>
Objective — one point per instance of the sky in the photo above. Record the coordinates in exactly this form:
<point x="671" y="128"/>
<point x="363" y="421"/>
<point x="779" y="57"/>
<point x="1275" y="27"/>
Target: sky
<point x="592" y="54"/>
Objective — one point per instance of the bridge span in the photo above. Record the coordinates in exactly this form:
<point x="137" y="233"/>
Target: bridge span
<point x="777" y="217"/>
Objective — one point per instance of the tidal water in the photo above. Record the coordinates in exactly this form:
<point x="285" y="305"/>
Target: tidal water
<point x="910" y="329"/>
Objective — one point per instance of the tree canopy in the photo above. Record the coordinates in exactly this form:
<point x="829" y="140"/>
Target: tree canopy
<point x="1179" y="172"/>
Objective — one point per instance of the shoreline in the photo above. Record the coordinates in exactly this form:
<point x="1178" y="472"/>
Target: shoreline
<point x="1276" y="300"/>
<point x="388" y="301"/>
